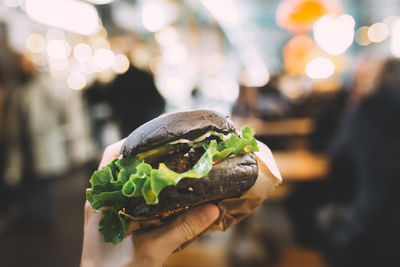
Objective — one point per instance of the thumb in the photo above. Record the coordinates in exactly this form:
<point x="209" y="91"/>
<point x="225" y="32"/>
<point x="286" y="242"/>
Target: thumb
<point x="184" y="228"/>
<point x="191" y="224"/>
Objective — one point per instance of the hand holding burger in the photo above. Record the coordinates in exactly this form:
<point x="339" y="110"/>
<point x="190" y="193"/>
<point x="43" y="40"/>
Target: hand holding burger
<point x="149" y="248"/>
<point x="167" y="171"/>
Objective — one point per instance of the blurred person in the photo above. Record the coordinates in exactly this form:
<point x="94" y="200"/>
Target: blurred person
<point x="331" y="110"/>
<point x="15" y="150"/>
<point x="308" y="196"/>
<point x="3" y="199"/>
<point x="327" y="119"/>
<point x="365" y="152"/>
<point x="266" y="102"/>
<point x="35" y="146"/>
<point x="136" y="99"/>
<point x="354" y="213"/>
<point x="244" y="104"/>
<point x="366" y="75"/>
<point x="10" y="75"/>
<point x="129" y="101"/>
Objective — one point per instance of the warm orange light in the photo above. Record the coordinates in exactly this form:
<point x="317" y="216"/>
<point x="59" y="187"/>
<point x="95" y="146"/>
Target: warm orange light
<point x="308" y="10"/>
<point x="297" y="53"/>
<point x="300" y="15"/>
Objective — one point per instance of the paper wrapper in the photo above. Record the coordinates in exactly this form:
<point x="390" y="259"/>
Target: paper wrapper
<point x="233" y="210"/>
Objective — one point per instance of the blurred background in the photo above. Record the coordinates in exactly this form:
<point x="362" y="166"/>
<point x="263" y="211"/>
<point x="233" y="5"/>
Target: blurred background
<point x="319" y="80"/>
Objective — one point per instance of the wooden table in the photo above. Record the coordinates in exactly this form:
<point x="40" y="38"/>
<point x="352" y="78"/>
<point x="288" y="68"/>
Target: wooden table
<point x="296" y="126"/>
<point x="296" y="164"/>
<point x="301" y="165"/>
<point x="200" y="255"/>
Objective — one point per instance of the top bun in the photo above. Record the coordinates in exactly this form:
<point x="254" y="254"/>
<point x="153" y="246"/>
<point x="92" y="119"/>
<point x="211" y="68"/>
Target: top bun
<point x="180" y="125"/>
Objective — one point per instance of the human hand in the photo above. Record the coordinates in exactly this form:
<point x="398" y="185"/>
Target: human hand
<point x="149" y="248"/>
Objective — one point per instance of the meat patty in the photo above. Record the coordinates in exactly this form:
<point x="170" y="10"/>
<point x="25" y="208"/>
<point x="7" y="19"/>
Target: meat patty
<point x="183" y="160"/>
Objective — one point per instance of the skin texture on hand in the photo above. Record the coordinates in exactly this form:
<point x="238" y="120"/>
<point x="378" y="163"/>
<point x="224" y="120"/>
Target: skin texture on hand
<point x="145" y="249"/>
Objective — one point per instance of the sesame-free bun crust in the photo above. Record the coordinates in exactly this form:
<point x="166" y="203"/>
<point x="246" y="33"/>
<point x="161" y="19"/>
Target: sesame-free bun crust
<point x="228" y="178"/>
<point x="174" y="126"/>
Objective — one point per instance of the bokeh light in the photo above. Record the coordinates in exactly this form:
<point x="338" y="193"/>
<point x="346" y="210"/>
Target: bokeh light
<point x="297" y="53"/>
<point x="55" y="34"/>
<point x="154" y="16"/>
<point x="174" y="88"/>
<point x="106" y="76"/>
<point x="99" y="42"/>
<point x="82" y="52"/>
<point x="334" y="35"/>
<point x="58" y="49"/>
<point x="35" y="43"/>
<point x="378" y="32"/>
<point x="167" y="36"/>
<point x="175" y="54"/>
<point x="59" y="64"/>
<point x="155" y="64"/>
<point x="225" y="11"/>
<point x="141" y="57"/>
<point x="76" y="80"/>
<point x="320" y="68"/>
<point x="59" y="75"/>
<point x="39" y="59"/>
<point x="103" y="58"/>
<point x="395" y="42"/>
<point x="295" y="87"/>
<point x="362" y="36"/>
<point x="223" y="87"/>
<point x="75" y="16"/>
<point x="256" y="75"/>
<point x="390" y="20"/>
<point x="121" y="64"/>
<point x="300" y="15"/>
<point x="213" y="63"/>
<point x="12" y="3"/>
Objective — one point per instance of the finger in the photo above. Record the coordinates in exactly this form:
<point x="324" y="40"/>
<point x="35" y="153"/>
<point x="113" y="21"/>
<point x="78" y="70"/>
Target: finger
<point x="89" y="211"/>
<point x="183" y="228"/>
<point x="91" y="236"/>
<point x="110" y="153"/>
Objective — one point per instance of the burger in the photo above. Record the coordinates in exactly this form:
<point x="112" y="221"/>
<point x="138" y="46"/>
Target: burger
<point x="170" y="164"/>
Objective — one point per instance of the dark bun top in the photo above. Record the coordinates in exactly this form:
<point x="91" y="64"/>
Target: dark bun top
<point x="174" y="126"/>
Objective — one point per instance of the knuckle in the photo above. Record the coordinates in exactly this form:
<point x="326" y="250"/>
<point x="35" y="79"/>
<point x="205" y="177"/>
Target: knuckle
<point x="88" y="207"/>
<point x="187" y="227"/>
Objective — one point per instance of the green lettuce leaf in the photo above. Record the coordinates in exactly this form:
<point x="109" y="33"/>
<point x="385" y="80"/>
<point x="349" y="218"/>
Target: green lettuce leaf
<point x="122" y="179"/>
<point x="113" y="226"/>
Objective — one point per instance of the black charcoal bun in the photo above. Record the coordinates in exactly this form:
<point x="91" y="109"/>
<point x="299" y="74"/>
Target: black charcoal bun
<point x="174" y="126"/>
<point x="228" y="178"/>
